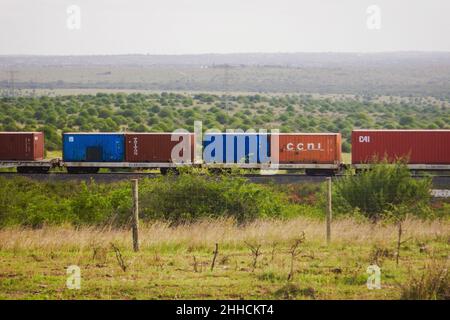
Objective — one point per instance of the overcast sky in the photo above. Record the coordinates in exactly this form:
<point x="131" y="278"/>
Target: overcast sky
<point x="225" y="26"/>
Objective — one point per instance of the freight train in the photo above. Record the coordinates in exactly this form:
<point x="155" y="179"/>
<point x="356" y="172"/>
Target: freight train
<point x="316" y="153"/>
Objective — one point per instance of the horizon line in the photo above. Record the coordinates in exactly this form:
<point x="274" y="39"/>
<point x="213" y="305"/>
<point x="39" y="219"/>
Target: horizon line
<point x="222" y="54"/>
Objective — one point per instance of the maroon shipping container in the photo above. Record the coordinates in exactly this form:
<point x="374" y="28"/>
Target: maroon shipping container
<point x="23" y="146"/>
<point x="156" y="147"/>
<point x="419" y="146"/>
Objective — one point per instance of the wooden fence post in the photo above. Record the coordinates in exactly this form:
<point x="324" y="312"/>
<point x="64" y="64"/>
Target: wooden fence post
<point x="135" y="226"/>
<point x="329" y="210"/>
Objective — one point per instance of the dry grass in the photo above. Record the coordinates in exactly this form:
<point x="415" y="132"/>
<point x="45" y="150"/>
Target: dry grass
<point x="225" y="232"/>
<point x="433" y="283"/>
<point x="174" y="262"/>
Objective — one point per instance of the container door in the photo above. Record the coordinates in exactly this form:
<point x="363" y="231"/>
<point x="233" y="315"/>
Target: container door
<point x="28" y="147"/>
<point x="36" y="153"/>
<point x="94" y="154"/>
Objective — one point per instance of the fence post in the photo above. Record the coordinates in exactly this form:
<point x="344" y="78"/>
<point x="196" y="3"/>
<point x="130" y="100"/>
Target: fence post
<point x="135" y="226"/>
<point x="329" y="210"/>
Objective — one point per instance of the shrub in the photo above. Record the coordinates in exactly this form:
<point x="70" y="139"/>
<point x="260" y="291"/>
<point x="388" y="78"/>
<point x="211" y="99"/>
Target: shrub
<point x="23" y="203"/>
<point x="176" y="198"/>
<point x="96" y="204"/>
<point x="30" y="203"/>
<point x="189" y="196"/>
<point x="380" y="189"/>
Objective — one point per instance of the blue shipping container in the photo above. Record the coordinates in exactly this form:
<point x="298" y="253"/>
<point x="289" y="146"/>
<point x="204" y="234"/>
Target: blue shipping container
<point x="236" y="148"/>
<point x="93" y="147"/>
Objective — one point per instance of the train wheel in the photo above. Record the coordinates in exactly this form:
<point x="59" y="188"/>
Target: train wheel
<point x="72" y="170"/>
<point x="320" y="172"/>
<point x="23" y="169"/>
<point x="81" y="170"/>
<point x="33" y="169"/>
<point x="44" y="170"/>
<point x="92" y="170"/>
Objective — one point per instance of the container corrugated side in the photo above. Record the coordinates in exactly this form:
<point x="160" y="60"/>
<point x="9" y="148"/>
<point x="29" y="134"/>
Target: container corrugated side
<point x="308" y="148"/>
<point x="418" y="146"/>
<point x="157" y="147"/>
<point x="21" y="146"/>
<point x="236" y="148"/>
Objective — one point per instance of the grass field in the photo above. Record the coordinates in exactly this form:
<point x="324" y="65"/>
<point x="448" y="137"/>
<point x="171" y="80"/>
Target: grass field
<point x="175" y="262"/>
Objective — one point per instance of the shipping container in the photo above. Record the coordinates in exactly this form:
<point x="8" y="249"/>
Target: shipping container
<point x="158" y="147"/>
<point x="429" y="147"/>
<point x="307" y="148"/>
<point x="93" y="147"/>
<point x="229" y="148"/>
<point x="21" y="146"/>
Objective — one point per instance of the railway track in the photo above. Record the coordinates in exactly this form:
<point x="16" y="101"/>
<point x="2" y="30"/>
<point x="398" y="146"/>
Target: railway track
<point x="439" y="181"/>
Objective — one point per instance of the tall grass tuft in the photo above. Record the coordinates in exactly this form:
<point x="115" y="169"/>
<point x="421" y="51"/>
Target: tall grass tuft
<point x="432" y="284"/>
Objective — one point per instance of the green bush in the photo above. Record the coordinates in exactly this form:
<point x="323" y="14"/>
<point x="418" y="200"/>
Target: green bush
<point x="175" y="198"/>
<point x="188" y="197"/>
<point x="24" y="203"/>
<point x="380" y="189"/>
<point x="166" y="112"/>
<point x="30" y="203"/>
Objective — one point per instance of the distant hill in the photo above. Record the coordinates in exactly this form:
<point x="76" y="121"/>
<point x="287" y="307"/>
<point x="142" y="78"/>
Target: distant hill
<point x="238" y="59"/>
<point x="398" y="73"/>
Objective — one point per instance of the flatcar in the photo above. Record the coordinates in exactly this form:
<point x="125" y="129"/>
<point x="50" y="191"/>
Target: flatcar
<point x="24" y="151"/>
<point x="89" y="152"/>
<point x="85" y="152"/>
<point x="316" y="153"/>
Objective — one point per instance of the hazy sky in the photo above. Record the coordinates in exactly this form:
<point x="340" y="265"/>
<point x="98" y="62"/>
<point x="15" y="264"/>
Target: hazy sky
<point x="213" y="26"/>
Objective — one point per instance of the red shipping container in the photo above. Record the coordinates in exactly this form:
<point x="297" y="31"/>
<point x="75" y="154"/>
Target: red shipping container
<point x="156" y="147"/>
<point x="309" y="148"/>
<point x="419" y="146"/>
<point x="21" y="146"/>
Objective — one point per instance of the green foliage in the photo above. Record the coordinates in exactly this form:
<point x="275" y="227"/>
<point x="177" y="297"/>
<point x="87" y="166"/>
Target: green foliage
<point x="30" y="203"/>
<point x="191" y="196"/>
<point x="383" y="190"/>
<point x="169" y="111"/>
<point x="346" y="146"/>
<point x="182" y="198"/>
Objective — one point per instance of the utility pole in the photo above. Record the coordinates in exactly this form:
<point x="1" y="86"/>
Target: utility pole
<point x="135" y="215"/>
<point x="329" y="210"/>
<point x="225" y="86"/>
<point x="11" y="83"/>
